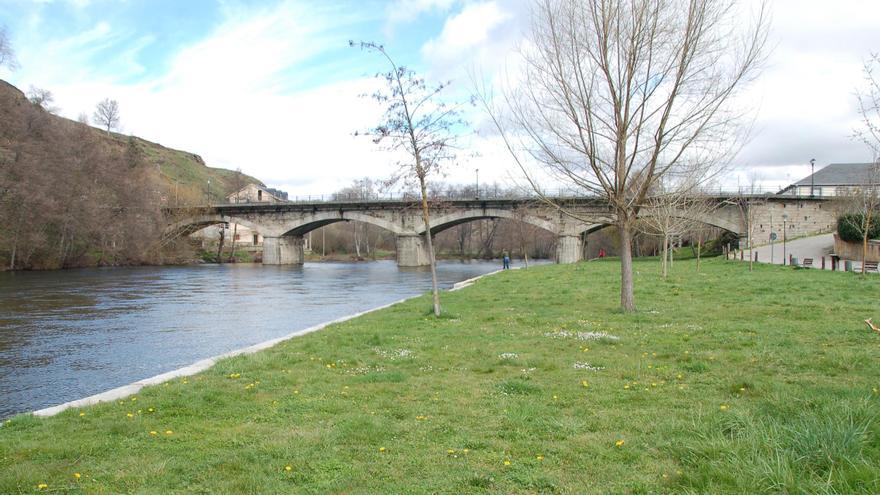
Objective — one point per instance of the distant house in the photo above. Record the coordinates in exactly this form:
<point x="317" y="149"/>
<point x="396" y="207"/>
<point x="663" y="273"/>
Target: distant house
<point x="243" y="236"/>
<point x="836" y="179"/>
<point x="253" y="193"/>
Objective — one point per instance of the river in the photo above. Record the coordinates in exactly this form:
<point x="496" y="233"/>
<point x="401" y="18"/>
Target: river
<point x="69" y="334"/>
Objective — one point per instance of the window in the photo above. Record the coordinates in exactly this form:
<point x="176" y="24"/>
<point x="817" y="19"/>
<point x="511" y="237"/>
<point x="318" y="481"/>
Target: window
<point x="256" y="239"/>
<point x="237" y="237"/>
<point x="259" y="195"/>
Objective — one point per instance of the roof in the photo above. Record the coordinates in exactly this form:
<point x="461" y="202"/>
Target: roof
<point x="841" y="174"/>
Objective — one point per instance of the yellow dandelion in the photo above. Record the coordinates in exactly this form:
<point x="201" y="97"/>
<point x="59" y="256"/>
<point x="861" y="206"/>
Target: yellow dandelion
<point x="154" y="433"/>
<point x="585" y="384"/>
<point x="874" y="390"/>
<point x="168" y="432"/>
<point x="381" y="449"/>
<point x="288" y="468"/>
<point x="506" y="462"/>
<point x="328" y="366"/>
<point x="295" y="392"/>
<point x="539" y="457"/>
<point x="77" y="475"/>
<point x="723" y="407"/>
<point x="134" y="399"/>
<point x="466" y="451"/>
<point x="450" y="451"/>
<point x="555" y="397"/>
<point x="619" y="443"/>
<point x="42" y="486"/>
<point x="679" y="376"/>
<point x="626" y="387"/>
<point x="665" y="476"/>
<point x="742" y="389"/>
<point x="82" y="414"/>
<point x="151" y="410"/>
<point x="654" y="384"/>
<point x="130" y="415"/>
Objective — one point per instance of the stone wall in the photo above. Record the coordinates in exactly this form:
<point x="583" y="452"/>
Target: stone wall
<point x="805" y="217"/>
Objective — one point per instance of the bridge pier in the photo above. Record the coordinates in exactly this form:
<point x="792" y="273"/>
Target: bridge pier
<point x="412" y="251"/>
<point x="569" y="249"/>
<point x="286" y="250"/>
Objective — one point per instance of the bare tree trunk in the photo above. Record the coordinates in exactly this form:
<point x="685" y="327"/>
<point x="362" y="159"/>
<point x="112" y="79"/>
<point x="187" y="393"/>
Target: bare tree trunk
<point x="627" y="299"/>
<point x="425" y="216"/>
<point x="699" y="249"/>
<point x="220" y="247"/>
<point x="234" y="235"/>
<point x="665" y="255"/>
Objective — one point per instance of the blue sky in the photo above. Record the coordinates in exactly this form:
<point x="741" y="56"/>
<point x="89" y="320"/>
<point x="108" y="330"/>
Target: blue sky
<point x="272" y="87"/>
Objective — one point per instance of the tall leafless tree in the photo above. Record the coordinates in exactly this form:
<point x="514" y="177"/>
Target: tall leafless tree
<point x="616" y="95"/>
<point x="107" y="114"/>
<point x="865" y="201"/>
<point x="421" y="126"/>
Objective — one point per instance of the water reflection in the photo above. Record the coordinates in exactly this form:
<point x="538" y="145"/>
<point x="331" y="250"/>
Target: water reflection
<point x="69" y="334"/>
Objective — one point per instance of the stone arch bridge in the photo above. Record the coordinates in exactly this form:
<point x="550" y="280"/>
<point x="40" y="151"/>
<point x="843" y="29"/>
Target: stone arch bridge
<point x="283" y="225"/>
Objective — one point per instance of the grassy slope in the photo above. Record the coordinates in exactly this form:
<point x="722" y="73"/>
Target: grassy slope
<point x="176" y="167"/>
<point x="188" y="169"/>
<point x="724" y="382"/>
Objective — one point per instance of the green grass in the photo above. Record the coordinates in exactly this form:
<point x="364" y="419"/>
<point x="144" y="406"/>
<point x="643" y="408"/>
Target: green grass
<point x="724" y="382"/>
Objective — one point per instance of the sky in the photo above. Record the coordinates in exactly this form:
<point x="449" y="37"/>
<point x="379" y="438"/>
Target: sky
<point x="272" y="87"/>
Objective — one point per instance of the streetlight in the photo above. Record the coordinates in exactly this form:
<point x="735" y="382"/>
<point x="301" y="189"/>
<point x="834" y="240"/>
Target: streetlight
<point x="812" y="177"/>
<point x="772" y="237"/>
<point x="478" y="183"/>
<point x="784" y="218"/>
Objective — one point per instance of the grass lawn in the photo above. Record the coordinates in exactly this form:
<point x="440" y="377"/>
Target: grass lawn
<point x="725" y="381"/>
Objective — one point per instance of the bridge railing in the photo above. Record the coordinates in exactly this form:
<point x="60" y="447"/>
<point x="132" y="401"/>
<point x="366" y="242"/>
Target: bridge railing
<point x="508" y="194"/>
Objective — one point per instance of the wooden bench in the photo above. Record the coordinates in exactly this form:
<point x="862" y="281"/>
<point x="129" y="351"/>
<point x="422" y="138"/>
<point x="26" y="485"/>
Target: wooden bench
<point x="871" y="266"/>
<point x="808" y="263"/>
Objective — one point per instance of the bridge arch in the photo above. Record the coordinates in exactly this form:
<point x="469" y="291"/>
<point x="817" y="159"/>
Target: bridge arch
<point x="319" y="219"/>
<point x="450" y="220"/>
<point x="189" y="225"/>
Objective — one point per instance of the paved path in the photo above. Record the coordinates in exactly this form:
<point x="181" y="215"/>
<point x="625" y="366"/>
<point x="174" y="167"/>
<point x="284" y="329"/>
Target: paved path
<point x="806" y="247"/>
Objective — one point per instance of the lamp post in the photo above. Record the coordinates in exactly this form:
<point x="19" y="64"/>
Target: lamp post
<point x="784" y="253"/>
<point x="478" y="183"/>
<point x="772" y="237"/>
<point x="812" y="177"/>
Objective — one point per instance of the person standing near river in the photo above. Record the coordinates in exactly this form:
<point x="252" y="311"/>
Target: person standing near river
<point x="505" y="259"/>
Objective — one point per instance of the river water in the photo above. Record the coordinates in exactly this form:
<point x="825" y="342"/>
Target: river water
<point x="68" y="334"/>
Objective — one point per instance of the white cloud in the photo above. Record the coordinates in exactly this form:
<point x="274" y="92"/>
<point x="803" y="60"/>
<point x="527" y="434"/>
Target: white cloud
<point x="408" y="10"/>
<point x="465" y="31"/>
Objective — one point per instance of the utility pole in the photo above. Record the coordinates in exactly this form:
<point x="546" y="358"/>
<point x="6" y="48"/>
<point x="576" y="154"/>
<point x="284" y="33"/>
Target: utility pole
<point x="478" y="183"/>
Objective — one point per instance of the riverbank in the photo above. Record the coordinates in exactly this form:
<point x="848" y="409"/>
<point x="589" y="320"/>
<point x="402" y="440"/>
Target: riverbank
<point x="533" y="381"/>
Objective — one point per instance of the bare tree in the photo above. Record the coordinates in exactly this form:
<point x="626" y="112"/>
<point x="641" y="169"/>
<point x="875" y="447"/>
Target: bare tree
<point x="862" y="209"/>
<point x="107" y="114"/>
<point x="669" y="214"/>
<point x="420" y="125"/>
<point x="616" y="95"/>
<point x="747" y="200"/>
<point x="42" y="98"/>
<point x="7" y="54"/>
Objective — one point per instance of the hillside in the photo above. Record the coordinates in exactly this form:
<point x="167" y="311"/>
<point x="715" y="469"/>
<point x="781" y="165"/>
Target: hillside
<point x="74" y="195"/>
<point x="178" y="169"/>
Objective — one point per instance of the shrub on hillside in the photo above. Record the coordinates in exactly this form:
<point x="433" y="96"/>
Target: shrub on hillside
<point x="849" y="227"/>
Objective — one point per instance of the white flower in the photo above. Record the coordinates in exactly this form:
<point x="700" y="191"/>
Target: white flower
<point x="508" y="355"/>
<point x="586" y="366"/>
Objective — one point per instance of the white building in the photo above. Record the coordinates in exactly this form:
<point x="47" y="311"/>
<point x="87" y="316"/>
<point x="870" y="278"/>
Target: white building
<point x="836" y="179"/>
